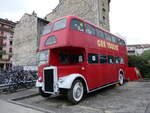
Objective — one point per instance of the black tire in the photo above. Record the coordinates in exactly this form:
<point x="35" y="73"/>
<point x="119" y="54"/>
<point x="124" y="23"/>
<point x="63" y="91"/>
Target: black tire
<point x="43" y="94"/>
<point x="75" y="94"/>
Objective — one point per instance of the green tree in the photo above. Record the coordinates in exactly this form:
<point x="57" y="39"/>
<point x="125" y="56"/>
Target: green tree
<point x="146" y="55"/>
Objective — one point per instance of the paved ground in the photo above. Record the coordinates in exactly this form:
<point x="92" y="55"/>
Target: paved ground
<point x="133" y="97"/>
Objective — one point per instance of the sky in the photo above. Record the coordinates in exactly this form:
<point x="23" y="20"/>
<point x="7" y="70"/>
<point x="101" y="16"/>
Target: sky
<point x="128" y="18"/>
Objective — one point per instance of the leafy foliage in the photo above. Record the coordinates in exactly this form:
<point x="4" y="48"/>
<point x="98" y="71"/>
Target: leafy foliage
<point x="142" y="63"/>
<point x="146" y="55"/>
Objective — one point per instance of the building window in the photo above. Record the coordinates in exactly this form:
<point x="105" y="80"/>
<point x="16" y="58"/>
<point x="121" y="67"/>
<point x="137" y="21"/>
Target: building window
<point x="103" y="4"/>
<point x="11" y="42"/>
<point x="104" y="10"/>
<point x="104" y="18"/>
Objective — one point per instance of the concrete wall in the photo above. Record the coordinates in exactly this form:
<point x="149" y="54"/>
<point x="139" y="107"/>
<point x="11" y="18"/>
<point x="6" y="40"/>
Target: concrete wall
<point x="26" y="39"/>
<point x="95" y="11"/>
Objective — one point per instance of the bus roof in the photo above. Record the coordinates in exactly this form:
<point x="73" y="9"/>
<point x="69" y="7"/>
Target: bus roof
<point x="85" y="21"/>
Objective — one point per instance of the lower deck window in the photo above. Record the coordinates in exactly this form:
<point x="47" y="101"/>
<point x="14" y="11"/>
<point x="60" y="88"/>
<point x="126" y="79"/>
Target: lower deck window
<point x="92" y="58"/>
<point x="66" y="58"/>
<point x="110" y="59"/>
<point x="103" y="59"/>
<point x="119" y="60"/>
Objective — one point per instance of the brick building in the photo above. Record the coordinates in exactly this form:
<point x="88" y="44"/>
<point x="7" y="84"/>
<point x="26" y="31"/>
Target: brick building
<point x="6" y="41"/>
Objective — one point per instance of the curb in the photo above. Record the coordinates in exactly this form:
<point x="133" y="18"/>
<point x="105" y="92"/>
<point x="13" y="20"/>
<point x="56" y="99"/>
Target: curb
<point x="14" y="101"/>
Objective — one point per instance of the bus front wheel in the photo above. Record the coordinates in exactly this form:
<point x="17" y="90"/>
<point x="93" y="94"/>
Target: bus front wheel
<point x="42" y="93"/>
<point x="75" y="94"/>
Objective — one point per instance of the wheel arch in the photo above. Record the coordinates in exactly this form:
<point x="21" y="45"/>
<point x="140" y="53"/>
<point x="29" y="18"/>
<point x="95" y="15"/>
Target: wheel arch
<point x="84" y="83"/>
<point x="67" y="81"/>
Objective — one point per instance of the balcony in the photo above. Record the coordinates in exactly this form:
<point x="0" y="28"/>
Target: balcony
<point x="2" y="52"/>
<point x="2" y="37"/>
<point x="6" y="29"/>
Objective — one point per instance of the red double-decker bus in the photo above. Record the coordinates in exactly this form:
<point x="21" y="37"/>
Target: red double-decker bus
<point x="76" y="57"/>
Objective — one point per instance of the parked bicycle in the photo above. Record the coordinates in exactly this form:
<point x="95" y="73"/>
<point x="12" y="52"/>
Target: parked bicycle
<point x="14" y="79"/>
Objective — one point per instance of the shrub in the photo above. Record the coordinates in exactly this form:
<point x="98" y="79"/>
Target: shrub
<point x="142" y="63"/>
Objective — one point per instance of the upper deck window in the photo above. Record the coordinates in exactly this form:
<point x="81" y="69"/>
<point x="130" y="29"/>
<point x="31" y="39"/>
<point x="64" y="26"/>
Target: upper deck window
<point x="77" y="25"/>
<point x="50" y="40"/>
<point x="114" y="39"/>
<point x="100" y="33"/>
<point x="90" y="29"/>
<point x="47" y="29"/>
<point x="60" y="24"/>
<point x="121" y="42"/>
<point x="108" y="37"/>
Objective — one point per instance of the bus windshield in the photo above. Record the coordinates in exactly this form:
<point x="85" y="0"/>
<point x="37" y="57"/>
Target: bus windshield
<point x="43" y="57"/>
<point x="60" y="24"/>
<point x="47" y="29"/>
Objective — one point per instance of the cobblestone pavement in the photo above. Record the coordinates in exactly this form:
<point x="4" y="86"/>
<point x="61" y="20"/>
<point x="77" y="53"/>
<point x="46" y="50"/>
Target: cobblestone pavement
<point x="132" y="97"/>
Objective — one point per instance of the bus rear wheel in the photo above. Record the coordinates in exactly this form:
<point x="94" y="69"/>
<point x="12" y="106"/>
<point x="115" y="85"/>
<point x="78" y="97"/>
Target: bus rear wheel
<point x="42" y="93"/>
<point x="75" y="94"/>
<point x="121" y="78"/>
